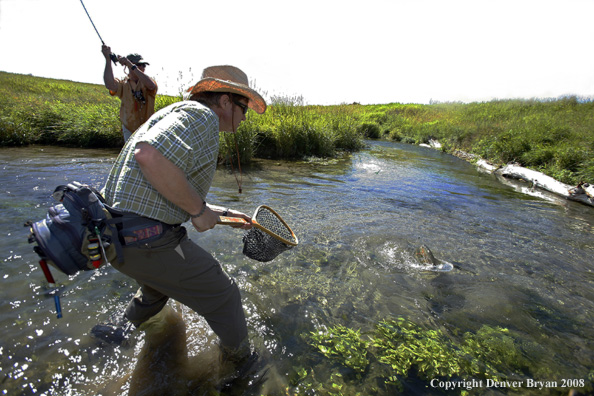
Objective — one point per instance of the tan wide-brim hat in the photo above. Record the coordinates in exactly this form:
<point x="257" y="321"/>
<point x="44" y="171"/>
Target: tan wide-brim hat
<point x="229" y="79"/>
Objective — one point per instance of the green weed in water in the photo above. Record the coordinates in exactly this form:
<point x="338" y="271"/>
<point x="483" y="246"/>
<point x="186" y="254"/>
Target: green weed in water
<point x="343" y="345"/>
<point x="408" y="350"/>
<point x="403" y="345"/>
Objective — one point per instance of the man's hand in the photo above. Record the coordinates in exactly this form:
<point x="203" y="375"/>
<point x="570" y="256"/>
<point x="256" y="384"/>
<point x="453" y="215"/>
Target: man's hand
<point x="234" y="213"/>
<point x="206" y="220"/>
<point x="125" y="62"/>
<point x="106" y="52"/>
<point x="108" y="79"/>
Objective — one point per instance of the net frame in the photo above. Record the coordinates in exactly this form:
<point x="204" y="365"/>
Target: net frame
<point x="269" y="237"/>
<point x="266" y="219"/>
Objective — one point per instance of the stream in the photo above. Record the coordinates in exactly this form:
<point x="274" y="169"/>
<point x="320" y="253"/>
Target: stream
<point x="517" y="262"/>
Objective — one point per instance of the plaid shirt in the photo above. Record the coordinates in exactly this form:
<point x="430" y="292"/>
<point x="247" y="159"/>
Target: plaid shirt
<point x="187" y="134"/>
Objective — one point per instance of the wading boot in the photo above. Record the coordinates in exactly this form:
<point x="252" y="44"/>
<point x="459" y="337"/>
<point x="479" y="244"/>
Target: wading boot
<point x="114" y="332"/>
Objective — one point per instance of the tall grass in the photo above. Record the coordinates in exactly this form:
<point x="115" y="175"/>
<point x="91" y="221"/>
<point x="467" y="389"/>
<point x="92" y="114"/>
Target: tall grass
<point x="555" y="137"/>
<point x="35" y="110"/>
<point x="552" y="136"/>
<point x="291" y="130"/>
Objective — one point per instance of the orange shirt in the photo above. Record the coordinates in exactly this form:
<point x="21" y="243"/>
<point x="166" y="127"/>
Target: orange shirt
<point x="134" y="113"/>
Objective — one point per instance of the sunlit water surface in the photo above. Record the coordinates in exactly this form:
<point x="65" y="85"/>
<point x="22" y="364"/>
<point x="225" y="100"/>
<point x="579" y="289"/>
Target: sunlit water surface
<point x="519" y="262"/>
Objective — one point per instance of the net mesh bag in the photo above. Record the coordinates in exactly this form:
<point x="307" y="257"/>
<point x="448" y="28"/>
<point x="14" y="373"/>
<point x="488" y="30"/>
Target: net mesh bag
<point x="261" y="246"/>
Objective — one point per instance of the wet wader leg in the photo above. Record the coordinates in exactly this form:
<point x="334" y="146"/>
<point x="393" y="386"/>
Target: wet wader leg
<point x="228" y="321"/>
<point x="146" y="303"/>
<point x="176" y="267"/>
<point x="208" y="290"/>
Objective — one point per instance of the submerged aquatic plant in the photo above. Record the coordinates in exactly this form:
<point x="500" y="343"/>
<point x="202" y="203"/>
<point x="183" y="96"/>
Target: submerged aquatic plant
<point x="404" y="345"/>
<point x="343" y="345"/>
<point x="408" y="350"/>
<point x="489" y="352"/>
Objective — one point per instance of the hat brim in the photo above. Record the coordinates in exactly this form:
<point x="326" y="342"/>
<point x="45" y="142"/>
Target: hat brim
<point x="209" y="84"/>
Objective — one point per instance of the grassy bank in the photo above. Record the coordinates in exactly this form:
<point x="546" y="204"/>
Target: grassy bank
<point x="35" y="110"/>
<point x="555" y="137"/>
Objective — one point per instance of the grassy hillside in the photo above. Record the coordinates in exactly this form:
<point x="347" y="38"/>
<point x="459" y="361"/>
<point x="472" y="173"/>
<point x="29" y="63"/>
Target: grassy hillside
<point x="552" y="136"/>
<point x="35" y="110"/>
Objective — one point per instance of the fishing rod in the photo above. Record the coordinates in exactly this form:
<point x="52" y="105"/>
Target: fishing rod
<point x="112" y="56"/>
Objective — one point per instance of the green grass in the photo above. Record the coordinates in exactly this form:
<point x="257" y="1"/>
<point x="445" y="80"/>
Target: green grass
<point x="35" y="110"/>
<point x="292" y="131"/>
<point x="555" y="137"/>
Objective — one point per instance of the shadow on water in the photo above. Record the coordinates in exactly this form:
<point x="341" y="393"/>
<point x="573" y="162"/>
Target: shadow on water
<point x="518" y="262"/>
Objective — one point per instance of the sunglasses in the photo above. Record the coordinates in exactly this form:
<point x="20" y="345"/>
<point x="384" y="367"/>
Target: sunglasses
<point x="244" y="108"/>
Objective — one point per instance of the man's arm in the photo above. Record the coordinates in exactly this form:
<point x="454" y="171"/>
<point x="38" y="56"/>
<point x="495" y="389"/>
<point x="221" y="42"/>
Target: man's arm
<point x="143" y="78"/>
<point x="108" y="78"/>
<point x="146" y="80"/>
<point x="170" y="181"/>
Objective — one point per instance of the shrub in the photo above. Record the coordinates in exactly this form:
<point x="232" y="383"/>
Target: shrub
<point x="369" y="130"/>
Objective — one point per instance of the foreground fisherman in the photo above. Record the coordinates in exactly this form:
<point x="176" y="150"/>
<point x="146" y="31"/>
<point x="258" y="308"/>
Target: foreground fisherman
<point x="164" y="173"/>
<point x="137" y="91"/>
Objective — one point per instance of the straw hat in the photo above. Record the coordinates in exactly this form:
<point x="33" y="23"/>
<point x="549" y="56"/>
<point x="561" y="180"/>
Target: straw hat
<point x="229" y="79"/>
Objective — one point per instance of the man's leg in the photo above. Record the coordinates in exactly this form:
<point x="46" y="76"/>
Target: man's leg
<point x="176" y="267"/>
<point x="207" y="289"/>
<point x="146" y="303"/>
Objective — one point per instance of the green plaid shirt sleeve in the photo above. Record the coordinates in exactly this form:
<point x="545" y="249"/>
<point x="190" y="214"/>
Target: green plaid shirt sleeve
<point x="187" y="134"/>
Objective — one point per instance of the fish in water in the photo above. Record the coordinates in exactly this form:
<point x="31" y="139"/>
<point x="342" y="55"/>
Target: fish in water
<point x="424" y="256"/>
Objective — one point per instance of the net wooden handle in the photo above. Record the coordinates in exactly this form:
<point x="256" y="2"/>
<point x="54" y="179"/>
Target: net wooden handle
<point x="236" y="221"/>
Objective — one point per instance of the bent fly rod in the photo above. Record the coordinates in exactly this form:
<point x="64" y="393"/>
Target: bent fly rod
<point x="113" y="56"/>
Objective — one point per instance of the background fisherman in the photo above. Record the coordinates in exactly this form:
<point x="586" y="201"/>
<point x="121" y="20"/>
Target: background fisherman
<point x="164" y="173"/>
<point x="137" y="91"/>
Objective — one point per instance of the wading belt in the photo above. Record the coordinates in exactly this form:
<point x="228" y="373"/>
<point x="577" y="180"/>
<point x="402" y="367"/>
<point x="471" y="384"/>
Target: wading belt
<point x="134" y="229"/>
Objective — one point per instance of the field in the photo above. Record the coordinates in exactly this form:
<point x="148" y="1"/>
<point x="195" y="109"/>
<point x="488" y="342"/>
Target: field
<point x="555" y="137"/>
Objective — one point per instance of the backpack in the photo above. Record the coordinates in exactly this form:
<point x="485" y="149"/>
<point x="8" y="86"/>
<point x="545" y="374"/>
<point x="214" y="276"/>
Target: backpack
<point x="79" y="233"/>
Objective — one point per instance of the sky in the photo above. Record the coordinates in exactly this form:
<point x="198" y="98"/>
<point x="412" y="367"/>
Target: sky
<point x="324" y="51"/>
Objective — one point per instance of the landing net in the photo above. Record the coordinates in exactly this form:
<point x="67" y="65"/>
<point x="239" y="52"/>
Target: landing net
<point x="261" y="246"/>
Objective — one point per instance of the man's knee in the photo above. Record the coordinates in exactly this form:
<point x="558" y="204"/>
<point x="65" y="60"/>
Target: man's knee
<point x="139" y="310"/>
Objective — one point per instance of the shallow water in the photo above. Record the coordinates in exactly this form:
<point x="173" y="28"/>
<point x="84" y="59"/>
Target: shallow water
<point x="519" y="262"/>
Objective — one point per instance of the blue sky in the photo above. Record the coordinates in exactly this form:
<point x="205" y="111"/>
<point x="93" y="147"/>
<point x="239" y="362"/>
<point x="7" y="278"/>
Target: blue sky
<point x="328" y="52"/>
